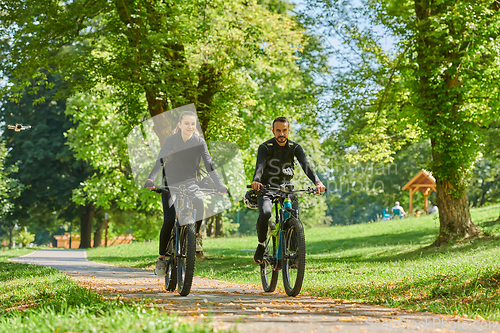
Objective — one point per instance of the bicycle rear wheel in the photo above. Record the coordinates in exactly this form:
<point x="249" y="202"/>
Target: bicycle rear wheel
<point x="171" y="277"/>
<point x="185" y="263"/>
<point x="294" y="256"/>
<point x="268" y="274"/>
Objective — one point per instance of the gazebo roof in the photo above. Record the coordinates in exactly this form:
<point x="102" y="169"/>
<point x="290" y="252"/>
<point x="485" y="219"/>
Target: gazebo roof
<point x="423" y="181"/>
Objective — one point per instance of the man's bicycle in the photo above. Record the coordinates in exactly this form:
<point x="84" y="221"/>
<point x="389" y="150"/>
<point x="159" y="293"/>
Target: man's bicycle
<point x="181" y="247"/>
<point x="286" y="245"/>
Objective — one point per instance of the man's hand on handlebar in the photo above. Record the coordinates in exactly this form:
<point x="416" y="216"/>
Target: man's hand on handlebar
<point x="320" y="187"/>
<point x="256" y="185"/>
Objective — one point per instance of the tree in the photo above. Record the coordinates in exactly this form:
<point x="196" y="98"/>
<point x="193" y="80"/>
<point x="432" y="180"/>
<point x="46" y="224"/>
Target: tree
<point x="10" y="189"/>
<point x="440" y="83"/>
<point x="99" y="138"/>
<point x="233" y="59"/>
<point x="170" y="54"/>
<point x="42" y="158"/>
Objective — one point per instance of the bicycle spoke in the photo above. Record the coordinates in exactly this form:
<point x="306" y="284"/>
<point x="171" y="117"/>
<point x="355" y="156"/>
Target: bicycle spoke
<point x="171" y="277"/>
<point x="187" y="257"/>
<point x="268" y="274"/>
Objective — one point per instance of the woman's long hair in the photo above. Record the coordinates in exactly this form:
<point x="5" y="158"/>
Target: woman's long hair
<point x="183" y="114"/>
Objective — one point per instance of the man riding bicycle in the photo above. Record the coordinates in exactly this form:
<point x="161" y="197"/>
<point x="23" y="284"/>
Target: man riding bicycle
<point x="275" y="164"/>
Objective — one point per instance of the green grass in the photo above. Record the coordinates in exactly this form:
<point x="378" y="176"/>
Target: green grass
<point x="41" y="299"/>
<point x="389" y="263"/>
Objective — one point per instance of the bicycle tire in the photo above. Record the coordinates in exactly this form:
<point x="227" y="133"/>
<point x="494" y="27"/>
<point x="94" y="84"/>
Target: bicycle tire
<point x="268" y="273"/>
<point x="294" y="256"/>
<point x="186" y="261"/>
<point x="171" y="276"/>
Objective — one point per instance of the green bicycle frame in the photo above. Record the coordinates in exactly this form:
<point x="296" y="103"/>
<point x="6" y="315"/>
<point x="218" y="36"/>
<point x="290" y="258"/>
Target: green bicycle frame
<point x="278" y="232"/>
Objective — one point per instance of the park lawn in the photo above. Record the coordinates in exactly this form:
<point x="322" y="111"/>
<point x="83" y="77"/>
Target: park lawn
<point x="41" y="299"/>
<point x="388" y="263"/>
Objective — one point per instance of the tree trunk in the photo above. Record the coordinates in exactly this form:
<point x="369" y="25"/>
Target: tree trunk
<point x="86" y="226"/>
<point x="11" y="230"/>
<point x="98" y="234"/>
<point x="208" y="86"/>
<point x="210" y="226"/>
<point x="454" y="215"/>
<point x="218" y="225"/>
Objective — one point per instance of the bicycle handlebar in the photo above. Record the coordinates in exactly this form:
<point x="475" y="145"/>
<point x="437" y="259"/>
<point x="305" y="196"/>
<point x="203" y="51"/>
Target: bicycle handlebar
<point x="159" y="189"/>
<point x="284" y="189"/>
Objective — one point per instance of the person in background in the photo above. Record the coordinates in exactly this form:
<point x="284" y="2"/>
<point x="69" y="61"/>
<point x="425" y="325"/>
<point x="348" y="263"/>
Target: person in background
<point x="433" y="209"/>
<point x="398" y="210"/>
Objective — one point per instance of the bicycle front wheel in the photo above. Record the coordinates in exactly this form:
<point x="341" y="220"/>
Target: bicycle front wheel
<point x="268" y="273"/>
<point x="186" y="260"/>
<point x="171" y="277"/>
<point x="294" y="256"/>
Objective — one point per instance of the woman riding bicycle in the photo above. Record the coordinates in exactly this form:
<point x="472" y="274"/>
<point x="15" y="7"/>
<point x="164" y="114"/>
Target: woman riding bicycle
<point x="181" y="154"/>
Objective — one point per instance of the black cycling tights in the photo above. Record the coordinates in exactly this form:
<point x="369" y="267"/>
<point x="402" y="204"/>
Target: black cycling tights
<point x="169" y="219"/>
<point x="265" y="209"/>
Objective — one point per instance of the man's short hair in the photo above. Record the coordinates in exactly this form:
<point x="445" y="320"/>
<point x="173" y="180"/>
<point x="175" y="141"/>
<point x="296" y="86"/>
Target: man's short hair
<point x="281" y="120"/>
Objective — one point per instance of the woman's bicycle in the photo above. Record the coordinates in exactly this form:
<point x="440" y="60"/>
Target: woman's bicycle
<point x="181" y="247"/>
<point x="286" y="245"/>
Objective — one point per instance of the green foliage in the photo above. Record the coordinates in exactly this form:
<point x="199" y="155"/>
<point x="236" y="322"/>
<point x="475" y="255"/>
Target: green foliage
<point x="440" y="82"/>
<point x="24" y="237"/>
<point x="358" y="192"/>
<point x="44" y="163"/>
<point x="99" y="137"/>
<point x="241" y="63"/>
<point x="10" y="188"/>
<point x="485" y="183"/>
<point x="246" y="220"/>
<point x="211" y="53"/>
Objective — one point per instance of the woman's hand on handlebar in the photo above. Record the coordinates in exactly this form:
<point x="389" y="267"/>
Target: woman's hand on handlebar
<point x="256" y="185"/>
<point x="149" y="184"/>
<point x="222" y="190"/>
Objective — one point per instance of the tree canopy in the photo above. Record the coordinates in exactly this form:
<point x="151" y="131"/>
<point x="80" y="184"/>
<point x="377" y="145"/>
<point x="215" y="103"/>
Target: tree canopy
<point x="42" y="159"/>
<point x="440" y="81"/>
<point x="241" y="63"/>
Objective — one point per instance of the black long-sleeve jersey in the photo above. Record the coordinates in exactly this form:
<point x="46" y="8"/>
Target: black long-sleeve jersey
<point x="182" y="160"/>
<point x="275" y="163"/>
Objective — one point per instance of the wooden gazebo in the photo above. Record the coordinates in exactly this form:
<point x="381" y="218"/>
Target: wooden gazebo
<point x="423" y="182"/>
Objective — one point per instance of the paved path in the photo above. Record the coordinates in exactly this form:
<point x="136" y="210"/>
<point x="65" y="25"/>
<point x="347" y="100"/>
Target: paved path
<point x="246" y="307"/>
